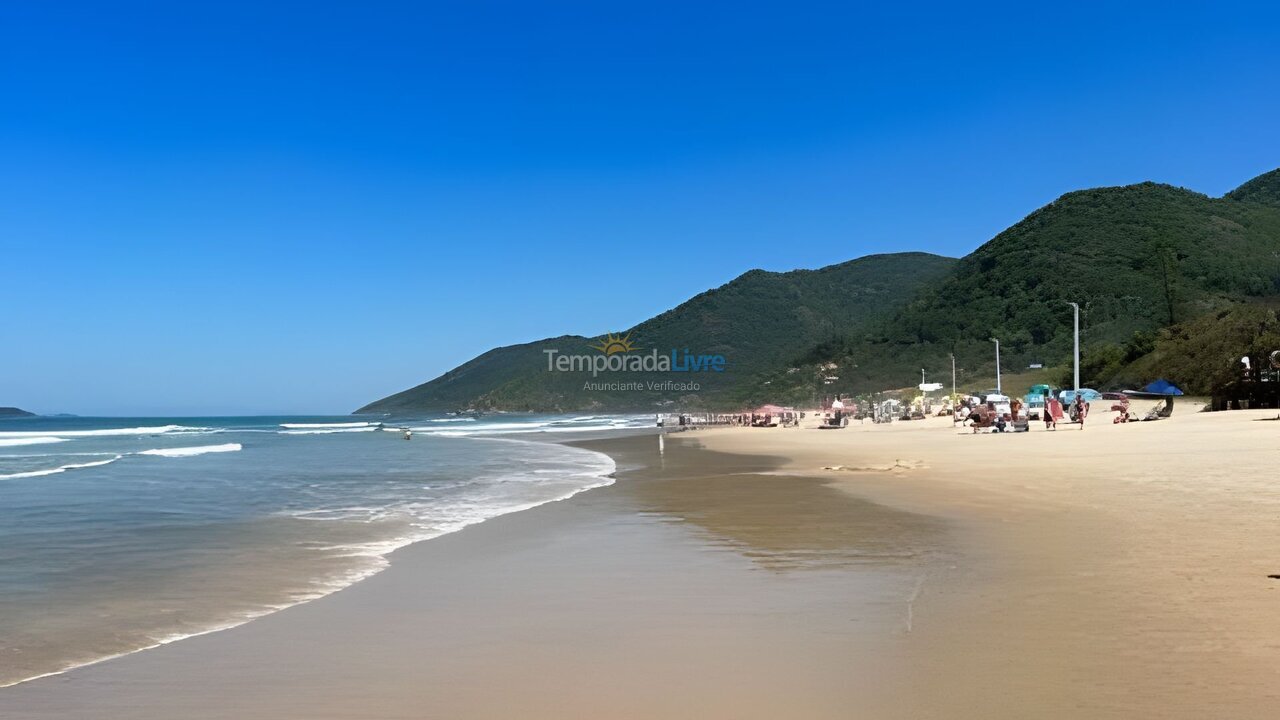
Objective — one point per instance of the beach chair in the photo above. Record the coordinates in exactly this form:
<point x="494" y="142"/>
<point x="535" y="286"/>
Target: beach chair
<point x="1162" y="410"/>
<point x="1154" y="412"/>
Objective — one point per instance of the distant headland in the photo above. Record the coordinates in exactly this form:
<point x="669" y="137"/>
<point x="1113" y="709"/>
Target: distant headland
<point x="8" y="412"/>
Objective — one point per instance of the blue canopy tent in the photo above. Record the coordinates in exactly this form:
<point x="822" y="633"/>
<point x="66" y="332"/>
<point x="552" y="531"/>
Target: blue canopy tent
<point x="1162" y="387"/>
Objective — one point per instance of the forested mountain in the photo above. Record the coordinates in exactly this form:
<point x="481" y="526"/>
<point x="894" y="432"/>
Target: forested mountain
<point x="757" y="322"/>
<point x="1137" y="258"/>
<point x="1147" y="263"/>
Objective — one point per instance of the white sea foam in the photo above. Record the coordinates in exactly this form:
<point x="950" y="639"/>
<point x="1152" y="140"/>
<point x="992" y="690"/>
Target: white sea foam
<point x="582" y="469"/>
<point x="329" y="431"/>
<point x="587" y="423"/>
<point x="59" y="469"/>
<point x="300" y="426"/>
<point x="159" y="452"/>
<point x="37" y="440"/>
<point x="428" y="520"/>
<point x="594" y="470"/>
<point x="487" y="427"/>
<point x="152" y="430"/>
<point x="190" y="451"/>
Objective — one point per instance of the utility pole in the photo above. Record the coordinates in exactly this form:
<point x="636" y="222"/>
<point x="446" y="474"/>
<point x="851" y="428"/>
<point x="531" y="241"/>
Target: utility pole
<point x="1076" y="308"/>
<point x="953" y="390"/>
<point x="999" y="391"/>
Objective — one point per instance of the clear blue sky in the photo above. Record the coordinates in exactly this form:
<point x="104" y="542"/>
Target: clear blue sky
<point x="226" y="208"/>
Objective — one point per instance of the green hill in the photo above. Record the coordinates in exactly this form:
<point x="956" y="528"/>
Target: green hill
<point x="1147" y="263"/>
<point x="1137" y="258"/>
<point x="756" y="321"/>
<point x="1263" y="189"/>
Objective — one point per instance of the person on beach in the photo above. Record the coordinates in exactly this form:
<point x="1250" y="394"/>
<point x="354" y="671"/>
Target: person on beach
<point x="1082" y="409"/>
<point x="976" y="417"/>
<point x="1050" y="422"/>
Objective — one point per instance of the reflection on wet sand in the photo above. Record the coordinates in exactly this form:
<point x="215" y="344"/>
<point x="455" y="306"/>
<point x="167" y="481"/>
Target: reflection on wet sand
<point x="780" y="521"/>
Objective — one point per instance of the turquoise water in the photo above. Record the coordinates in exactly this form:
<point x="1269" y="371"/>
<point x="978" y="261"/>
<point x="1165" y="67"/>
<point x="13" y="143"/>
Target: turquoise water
<point x="118" y="534"/>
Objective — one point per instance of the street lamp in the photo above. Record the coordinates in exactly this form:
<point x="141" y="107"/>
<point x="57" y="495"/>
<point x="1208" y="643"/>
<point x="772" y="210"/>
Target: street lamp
<point x="999" y="391"/>
<point x="953" y="390"/>
<point x="1076" y="308"/>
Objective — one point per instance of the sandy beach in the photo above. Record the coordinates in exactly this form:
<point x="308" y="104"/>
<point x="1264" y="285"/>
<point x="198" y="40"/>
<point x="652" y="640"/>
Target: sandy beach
<point x="902" y="571"/>
<point x="1119" y="571"/>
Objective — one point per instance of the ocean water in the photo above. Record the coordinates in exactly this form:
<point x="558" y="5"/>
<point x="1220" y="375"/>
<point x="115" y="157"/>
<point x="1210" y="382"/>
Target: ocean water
<point x="118" y="534"/>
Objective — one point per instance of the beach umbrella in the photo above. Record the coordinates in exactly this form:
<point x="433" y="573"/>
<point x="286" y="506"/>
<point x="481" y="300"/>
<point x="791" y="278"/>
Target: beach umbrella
<point x="1162" y="387"/>
<point x="770" y="410"/>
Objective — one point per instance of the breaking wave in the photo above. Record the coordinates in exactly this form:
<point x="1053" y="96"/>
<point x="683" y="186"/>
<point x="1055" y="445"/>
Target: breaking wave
<point x="37" y="440"/>
<point x="151" y="430"/>
<point x="190" y="451"/>
<point x="59" y="469"/>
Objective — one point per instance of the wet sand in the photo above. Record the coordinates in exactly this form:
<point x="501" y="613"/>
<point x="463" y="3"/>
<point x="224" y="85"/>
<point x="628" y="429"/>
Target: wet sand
<point x="700" y="585"/>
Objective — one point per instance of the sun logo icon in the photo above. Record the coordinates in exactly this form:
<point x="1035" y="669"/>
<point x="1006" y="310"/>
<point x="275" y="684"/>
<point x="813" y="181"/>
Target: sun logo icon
<point x="612" y="344"/>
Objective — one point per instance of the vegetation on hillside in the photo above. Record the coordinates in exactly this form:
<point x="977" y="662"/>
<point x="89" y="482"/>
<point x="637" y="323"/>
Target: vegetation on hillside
<point x="1198" y="355"/>
<point x="757" y="321"/>
<point x="1136" y="259"/>
<point x="1169" y="282"/>
<point x="1264" y="189"/>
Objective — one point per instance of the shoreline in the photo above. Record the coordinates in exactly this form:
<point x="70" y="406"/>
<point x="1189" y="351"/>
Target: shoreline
<point x="666" y="555"/>
<point x="328" y="588"/>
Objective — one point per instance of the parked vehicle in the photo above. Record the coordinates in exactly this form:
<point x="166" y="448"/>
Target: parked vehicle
<point x="1035" y="398"/>
<point x="1089" y="394"/>
<point x="997" y="411"/>
<point x="1069" y="397"/>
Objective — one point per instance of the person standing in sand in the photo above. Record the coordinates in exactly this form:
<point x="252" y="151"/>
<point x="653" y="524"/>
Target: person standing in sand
<point x="1050" y="422"/>
<point x="1082" y="409"/>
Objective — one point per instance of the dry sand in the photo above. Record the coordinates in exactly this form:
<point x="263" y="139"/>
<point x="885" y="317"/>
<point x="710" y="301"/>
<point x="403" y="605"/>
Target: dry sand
<point x="903" y="571"/>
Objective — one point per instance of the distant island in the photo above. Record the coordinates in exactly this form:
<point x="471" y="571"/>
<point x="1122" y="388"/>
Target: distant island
<point x="1171" y="283"/>
<point x="13" y="412"/>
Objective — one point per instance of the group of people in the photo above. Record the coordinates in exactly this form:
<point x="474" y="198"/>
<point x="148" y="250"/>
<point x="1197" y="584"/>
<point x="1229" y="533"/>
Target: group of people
<point x="1053" y="411"/>
<point x="988" y="413"/>
<point x="785" y="419"/>
<point x="984" y="414"/>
